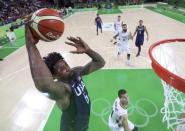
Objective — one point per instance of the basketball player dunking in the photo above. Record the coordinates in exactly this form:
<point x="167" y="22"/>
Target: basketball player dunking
<point x="118" y="119"/>
<point x="140" y="29"/>
<point x="98" y="23"/>
<point x="69" y="90"/>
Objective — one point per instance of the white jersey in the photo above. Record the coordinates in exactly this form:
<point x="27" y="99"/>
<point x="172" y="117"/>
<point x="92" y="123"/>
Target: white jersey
<point x="115" y="117"/>
<point x="118" y="25"/>
<point x="124" y="37"/>
<point x="117" y="112"/>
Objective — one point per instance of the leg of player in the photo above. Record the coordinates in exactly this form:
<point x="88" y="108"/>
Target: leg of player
<point x="114" y="37"/>
<point x="96" y="29"/>
<point x="120" y="50"/>
<point x="139" y="50"/>
<point x="118" y="55"/>
<point x="101" y="28"/>
<point x="128" y="59"/>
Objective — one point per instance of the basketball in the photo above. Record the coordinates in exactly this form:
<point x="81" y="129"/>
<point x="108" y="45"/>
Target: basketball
<point x="47" y="24"/>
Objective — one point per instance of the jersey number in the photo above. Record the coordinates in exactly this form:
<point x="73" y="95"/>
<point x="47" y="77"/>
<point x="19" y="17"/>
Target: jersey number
<point x="80" y="90"/>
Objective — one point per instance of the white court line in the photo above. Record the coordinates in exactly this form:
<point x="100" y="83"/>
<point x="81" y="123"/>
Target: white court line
<point x="43" y="123"/>
<point x="14" y="52"/>
<point x="11" y="74"/>
<point x="9" y="47"/>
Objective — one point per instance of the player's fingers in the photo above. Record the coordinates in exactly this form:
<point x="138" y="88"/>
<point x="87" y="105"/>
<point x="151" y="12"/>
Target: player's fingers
<point x="69" y="43"/>
<point x="73" y="39"/>
<point x="80" y="40"/>
<point x="74" y="52"/>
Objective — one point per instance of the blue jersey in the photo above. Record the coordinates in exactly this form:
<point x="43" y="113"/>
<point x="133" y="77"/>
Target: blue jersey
<point x="140" y="35"/>
<point x="98" y="20"/>
<point x="76" y="117"/>
<point x="140" y="32"/>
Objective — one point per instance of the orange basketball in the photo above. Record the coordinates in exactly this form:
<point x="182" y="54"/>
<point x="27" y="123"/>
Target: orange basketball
<point x="47" y="24"/>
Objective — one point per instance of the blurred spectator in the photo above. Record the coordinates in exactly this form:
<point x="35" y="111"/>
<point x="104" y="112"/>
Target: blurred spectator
<point x="70" y="10"/>
<point x="11" y="10"/>
<point x="63" y="11"/>
<point x="11" y="36"/>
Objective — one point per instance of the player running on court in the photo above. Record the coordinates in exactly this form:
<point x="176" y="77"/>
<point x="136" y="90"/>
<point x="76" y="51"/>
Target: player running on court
<point x="118" y="119"/>
<point x="117" y="28"/>
<point x="140" y="29"/>
<point x="98" y="22"/>
<point x="123" y="44"/>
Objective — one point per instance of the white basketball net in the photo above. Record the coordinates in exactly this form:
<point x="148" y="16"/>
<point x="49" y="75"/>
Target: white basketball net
<point x="173" y="107"/>
<point x="170" y="57"/>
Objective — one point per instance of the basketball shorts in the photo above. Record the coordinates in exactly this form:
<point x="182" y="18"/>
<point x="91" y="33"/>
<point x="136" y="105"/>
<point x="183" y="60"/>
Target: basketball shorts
<point x="124" y="47"/>
<point x="139" y="41"/>
<point x="115" y="127"/>
<point x="98" y="25"/>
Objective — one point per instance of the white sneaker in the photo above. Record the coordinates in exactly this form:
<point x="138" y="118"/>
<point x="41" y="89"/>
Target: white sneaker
<point x="129" y="63"/>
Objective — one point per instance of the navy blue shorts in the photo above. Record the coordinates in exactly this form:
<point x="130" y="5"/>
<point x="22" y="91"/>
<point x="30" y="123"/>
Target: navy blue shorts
<point x="98" y="25"/>
<point x="139" y="42"/>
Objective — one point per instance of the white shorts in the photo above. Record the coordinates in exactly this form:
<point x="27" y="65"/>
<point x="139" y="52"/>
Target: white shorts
<point x="115" y="127"/>
<point x="124" y="47"/>
<point x="116" y="32"/>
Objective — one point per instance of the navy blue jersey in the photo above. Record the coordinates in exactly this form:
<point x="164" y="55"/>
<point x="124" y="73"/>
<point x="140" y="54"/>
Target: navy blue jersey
<point x="140" y="32"/>
<point x="76" y="117"/>
<point x="98" y="20"/>
<point x="140" y="35"/>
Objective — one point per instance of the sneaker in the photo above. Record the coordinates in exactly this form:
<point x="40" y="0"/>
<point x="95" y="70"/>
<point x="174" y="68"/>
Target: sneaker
<point x="114" y="43"/>
<point x="138" y="54"/>
<point x="129" y="63"/>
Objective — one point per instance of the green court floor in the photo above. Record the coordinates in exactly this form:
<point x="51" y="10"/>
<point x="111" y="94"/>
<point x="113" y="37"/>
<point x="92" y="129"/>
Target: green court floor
<point x="172" y="13"/>
<point x="109" y="11"/>
<point x="8" y="48"/>
<point x="145" y="95"/>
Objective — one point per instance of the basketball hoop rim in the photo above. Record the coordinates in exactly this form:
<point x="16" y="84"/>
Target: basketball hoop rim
<point x="169" y="77"/>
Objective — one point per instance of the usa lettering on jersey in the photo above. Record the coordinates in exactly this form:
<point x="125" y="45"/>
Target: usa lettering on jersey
<point x="80" y="90"/>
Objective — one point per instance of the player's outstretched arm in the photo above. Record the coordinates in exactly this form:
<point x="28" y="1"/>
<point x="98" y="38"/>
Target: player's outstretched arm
<point x="115" y="36"/>
<point x="130" y="36"/>
<point x="97" y="61"/>
<point x="41" y="75"/>
<point x="147" y="33"/>
<point x="135" y="32"/>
